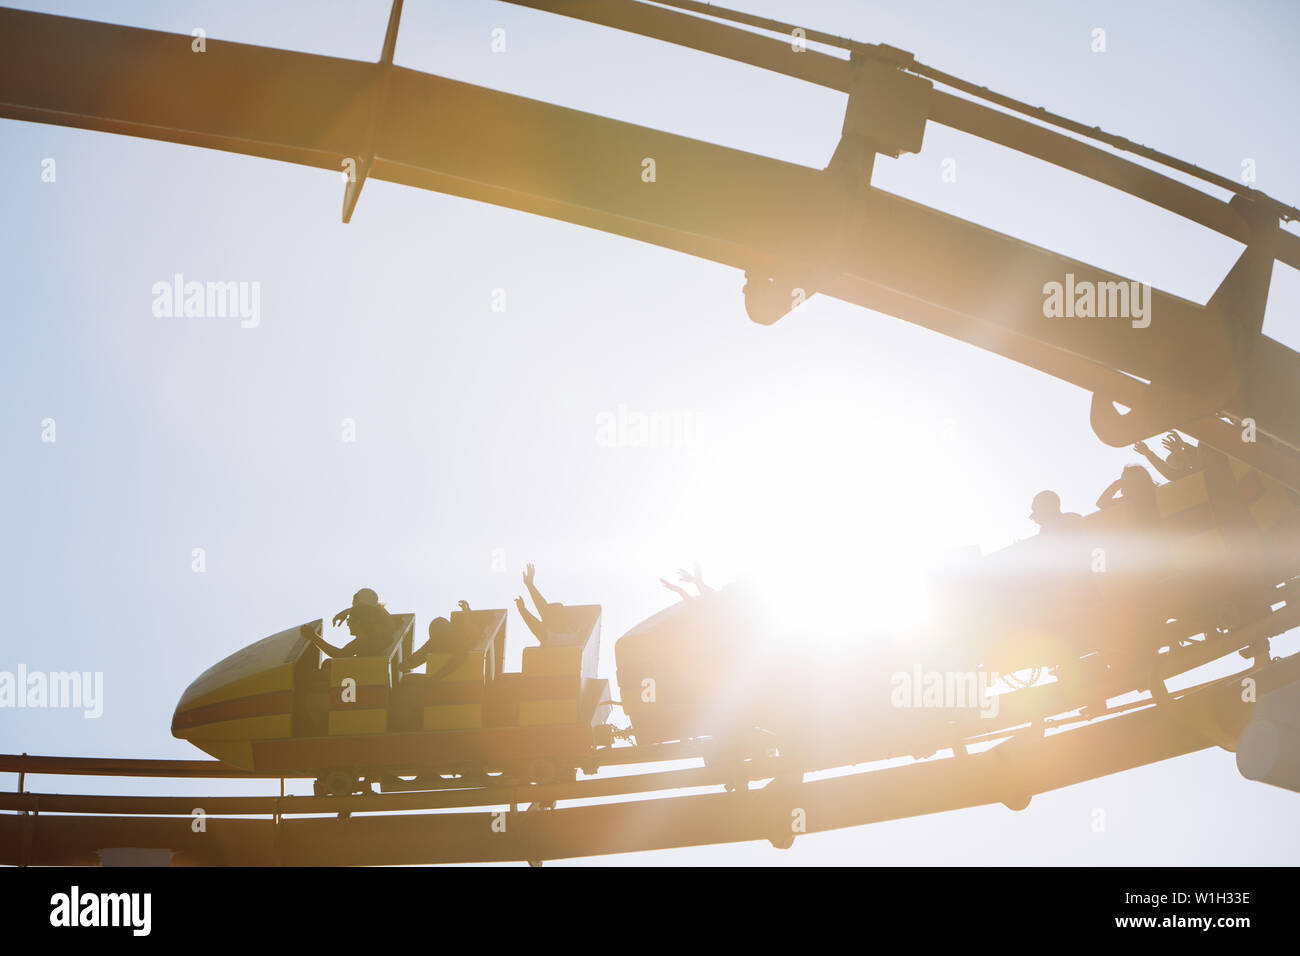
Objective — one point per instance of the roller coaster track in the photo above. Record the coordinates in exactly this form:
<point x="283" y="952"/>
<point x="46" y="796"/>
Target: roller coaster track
<point x="785" y="225"/>
<point x="1204" y="368"/>
<point x="1028" y="753"/>
<point x="388" y="829"/>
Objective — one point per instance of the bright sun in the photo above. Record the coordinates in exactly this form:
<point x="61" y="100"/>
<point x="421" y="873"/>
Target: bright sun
<point x="833" y="522"/>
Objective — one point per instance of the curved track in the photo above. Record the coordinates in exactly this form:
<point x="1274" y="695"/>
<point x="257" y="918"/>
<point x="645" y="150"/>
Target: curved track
<point x="374" y="829"/>
<point x="785" y="225"/>
<point x="1200" y="367"/>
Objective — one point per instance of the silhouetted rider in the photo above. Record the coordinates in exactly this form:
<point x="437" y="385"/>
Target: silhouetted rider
<point x="547" y="625"/>
<point x="1184" y="459"/>
<point x="1046" y="513"/>
<point x="371" y="625"/>
<point x="687" y="577"/>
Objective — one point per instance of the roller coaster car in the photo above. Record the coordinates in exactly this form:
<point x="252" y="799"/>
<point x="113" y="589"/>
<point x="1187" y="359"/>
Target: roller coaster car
<point x="671" y="665"/>
<point x="1100" y="602"/>
<point x="1206" y="557"/>
<point x="711" y="669"/>
<point x="274" y="707"/>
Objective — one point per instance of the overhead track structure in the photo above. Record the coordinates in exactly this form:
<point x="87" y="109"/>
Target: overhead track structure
<point x="1205" y="368"/>
<point x="1202" y="367"/>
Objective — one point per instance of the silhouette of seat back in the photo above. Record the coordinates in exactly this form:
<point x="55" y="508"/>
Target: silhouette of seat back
<point x="555" y="676"/>
<point x="463" y="661"/>
<point x="360" y="688"/>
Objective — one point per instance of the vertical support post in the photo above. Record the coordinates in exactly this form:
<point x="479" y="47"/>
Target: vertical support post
<point x="379" y="95"/>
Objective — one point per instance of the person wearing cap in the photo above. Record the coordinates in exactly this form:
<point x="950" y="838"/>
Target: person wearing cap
<point x="1046" y="513"/>
<point x="371" y="625"/>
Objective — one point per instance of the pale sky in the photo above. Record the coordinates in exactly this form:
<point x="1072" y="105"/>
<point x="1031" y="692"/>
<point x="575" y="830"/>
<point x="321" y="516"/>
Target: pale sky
<point x="844" y="441"/>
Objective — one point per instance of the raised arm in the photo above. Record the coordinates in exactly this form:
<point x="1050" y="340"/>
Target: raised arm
<point x="694" y="577"/>
<point x="677" y="589"/>
<point x="539" y="602"/>
<point x="1156" y="461"/>
<point x="328" y="649"/>
<point x="533" y="623"/>
<point x="1108" y="496"/>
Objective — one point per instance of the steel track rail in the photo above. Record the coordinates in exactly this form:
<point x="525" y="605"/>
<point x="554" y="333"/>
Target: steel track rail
<point x="906" y="61"/>
<point x="750" y="212"/>
<point x="386" y="802"/>
<point x="627" y="785"/>
<point x="215" y="769"/>
<point x="1009" y="773"/>
<point x="958" y="113"/>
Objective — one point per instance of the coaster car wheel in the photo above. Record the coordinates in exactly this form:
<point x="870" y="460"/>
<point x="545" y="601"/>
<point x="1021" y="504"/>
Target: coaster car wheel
<point x="339" y="783"/>
<point x="544" y="770"/>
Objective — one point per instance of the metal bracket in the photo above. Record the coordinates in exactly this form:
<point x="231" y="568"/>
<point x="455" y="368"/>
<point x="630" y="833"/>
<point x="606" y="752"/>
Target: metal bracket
<point x="1241" y="298"/>
<point x="541" y="807"/>
<point x="1161" y="410"/>
<point x="782" y="790"/>
<point x="1238" y="303"/>
<point x="357" y="179"/>
<point x="886" y="114"/>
